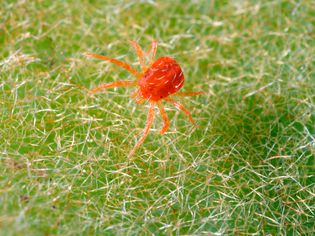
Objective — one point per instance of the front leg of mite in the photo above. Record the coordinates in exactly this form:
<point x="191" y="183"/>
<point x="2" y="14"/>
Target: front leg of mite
<point x="113" y="85"/>
<point x="140" y="54"/>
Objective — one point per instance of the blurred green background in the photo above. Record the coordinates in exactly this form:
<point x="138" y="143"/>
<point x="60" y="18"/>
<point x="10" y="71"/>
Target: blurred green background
<point x="248" y="169"/>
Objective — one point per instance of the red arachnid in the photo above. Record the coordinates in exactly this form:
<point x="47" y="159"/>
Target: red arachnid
<point x="158" y="82"/>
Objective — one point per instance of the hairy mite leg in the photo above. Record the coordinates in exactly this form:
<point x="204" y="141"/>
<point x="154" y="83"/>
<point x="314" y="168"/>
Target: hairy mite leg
<point x="164" y="117"/>
<point x="112" y="85"/>
<point x="182" y="108"/>
<point x="146" y="130"/>
<point x="188" y="94"/>
<point x="153" y="48"/>
<point x="116" y="62"/>
<point x="140" y="54"/>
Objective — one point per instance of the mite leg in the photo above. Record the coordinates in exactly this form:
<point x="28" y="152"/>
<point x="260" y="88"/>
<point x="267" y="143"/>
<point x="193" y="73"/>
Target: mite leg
<point x="146" y="130"/>
<point x="112" y="85"/>
<point x="140" y="54"/>
<point x="181" y="108"/>
<point x="164" y="117"/>
<point x="152" y="49"/>
<point x="188" y="94"/>
<point x="116" y="62"/>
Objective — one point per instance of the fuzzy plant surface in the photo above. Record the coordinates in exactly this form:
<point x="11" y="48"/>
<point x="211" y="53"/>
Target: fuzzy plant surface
<point x="247" y="169"/>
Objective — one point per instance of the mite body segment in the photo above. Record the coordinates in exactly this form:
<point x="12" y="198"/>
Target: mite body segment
<point x="157" y="83"/>
<point x="162" y="79"/>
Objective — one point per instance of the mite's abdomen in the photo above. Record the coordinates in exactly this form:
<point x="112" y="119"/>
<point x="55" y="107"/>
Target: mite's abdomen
<point x="163" y="78"/>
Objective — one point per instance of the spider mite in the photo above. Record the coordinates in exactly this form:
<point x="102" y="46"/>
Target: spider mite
<point x="158" y="82"/>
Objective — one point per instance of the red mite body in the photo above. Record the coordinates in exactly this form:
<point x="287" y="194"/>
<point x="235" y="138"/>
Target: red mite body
<point x="162" y="79"/>
<point x="158" y="83"/>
